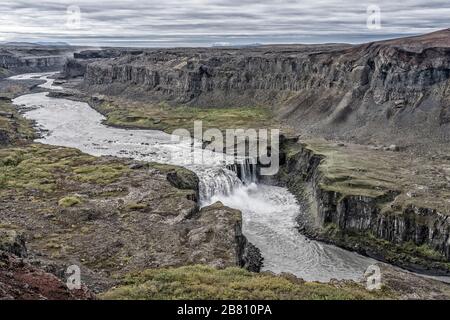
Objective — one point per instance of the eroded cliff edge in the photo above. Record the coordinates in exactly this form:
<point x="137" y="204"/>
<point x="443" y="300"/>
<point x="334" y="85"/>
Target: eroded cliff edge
<point x="391" y="95"/>
<point x="388" y="92"/>
<point x="24" y="58"/>
<point x="386" y="205"/>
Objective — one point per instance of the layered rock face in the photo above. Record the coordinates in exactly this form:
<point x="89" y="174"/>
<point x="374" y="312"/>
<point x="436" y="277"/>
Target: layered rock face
<point x="19" y="279"/>
<point x="387" y="222"/>
<point x="25" y="59"/>
<point x="76" y="66"/>
<point x="25" y="64"/>
<point x="203" y="76"/>
<point x="394" y="91"/>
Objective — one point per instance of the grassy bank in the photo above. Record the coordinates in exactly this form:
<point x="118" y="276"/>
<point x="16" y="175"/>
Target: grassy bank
<point x="203" y="282"/>
<point x="43" y="169"/>
<point x="361" y="170"/>
<point x="4" y="73"/>
<point x="168" y="118"/>
<point x="13" y="127"/>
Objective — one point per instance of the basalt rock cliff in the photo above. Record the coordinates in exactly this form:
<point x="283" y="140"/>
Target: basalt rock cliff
<point x="16" y="59"/>
<point x="394" y="91"/>
<point x="378" y="210"/>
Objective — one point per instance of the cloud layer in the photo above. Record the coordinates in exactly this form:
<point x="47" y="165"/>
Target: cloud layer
<point x="205" y="22"/>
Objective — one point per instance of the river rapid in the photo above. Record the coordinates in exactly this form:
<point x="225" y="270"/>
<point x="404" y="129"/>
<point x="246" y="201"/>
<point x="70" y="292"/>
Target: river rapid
<point x="268" y="212"/>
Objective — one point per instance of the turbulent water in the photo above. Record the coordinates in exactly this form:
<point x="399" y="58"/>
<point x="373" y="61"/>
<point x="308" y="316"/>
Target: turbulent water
<point x="268" y="212"/>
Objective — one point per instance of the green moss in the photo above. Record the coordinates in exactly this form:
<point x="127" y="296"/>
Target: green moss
<point x="331" y="229"/>
<point x="19" y="170"/>
<point x="17" y="129"/>
<point x="424" y="251"/>
<point x="100" y="174"/>
<point x="168" y="118"/>
<point x="136" y="206"/>
<point x="40" y="168"/>
<point x="204" y="282"/>
<point x="179" y="177"/>
<point x="69" y="201"/>
<point x="4" y="73"/>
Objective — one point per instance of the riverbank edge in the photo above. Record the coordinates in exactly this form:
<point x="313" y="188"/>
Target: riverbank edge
<point x="247" y="255"/>
<point x="326" y="213"/>
<point x="299" y="173"/>
<point x="398" y="273"/>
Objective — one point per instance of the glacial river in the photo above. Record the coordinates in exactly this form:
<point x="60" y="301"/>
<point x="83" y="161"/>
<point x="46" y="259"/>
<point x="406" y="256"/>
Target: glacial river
<point x="268" y="212"/>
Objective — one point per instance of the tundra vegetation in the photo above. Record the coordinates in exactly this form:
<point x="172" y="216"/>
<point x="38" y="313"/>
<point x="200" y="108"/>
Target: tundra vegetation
<point x="167" y="118"/>
<point x="205" y="282"/>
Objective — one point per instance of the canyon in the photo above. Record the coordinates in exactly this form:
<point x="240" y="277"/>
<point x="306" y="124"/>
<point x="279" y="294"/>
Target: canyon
<point x="110" y="216"/>
<point x="364" y="152"/>
<point x="390" y="96"/>
<point x="28" y="57"/>
<point x="388" y="92"/>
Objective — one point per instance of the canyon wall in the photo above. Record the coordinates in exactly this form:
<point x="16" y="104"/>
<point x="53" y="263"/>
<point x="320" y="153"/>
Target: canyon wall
<point x="31" y="64"/>
<point x="24" y="59"/>
<point x="408" y="234"/>
<point x="395" y="91"/>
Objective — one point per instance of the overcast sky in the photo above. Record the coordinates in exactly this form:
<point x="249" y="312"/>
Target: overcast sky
<point x="168" y="23"/>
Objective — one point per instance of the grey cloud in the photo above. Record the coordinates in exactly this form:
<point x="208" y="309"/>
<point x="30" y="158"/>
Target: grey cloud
<point x="203" y="22"/>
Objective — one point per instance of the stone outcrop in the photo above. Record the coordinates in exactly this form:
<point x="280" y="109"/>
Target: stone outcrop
<point x="248" y="255"/>
<point x="405" y="233"/>
<point x="126" y="216"/>
<point x="395" y="90"/>
<point x="24" y="59"/>
<point x="13" y="242"/>
<point x="20" y="280"/>
<point x="76" y="66"/>
<point x="31" y="64"/>
<point x="13" y="128"/>
<point x="219" y="217"/>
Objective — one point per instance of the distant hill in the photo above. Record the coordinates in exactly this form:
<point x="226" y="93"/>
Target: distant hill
<point x="20" y="44"/>
<point x="36" y="44"/>
<point x="51" y="43"/>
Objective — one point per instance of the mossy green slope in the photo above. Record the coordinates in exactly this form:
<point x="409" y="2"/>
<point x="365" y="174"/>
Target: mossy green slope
<point x="13" y="127"/>
<point x="39" y="168"/>
<point x="204" y="282"/>
<point x="168" y="118"/>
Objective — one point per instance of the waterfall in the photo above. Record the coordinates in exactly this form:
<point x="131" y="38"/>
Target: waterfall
<point x="216" y="181"/>
<point x="246" y="170"/>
